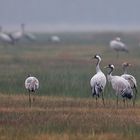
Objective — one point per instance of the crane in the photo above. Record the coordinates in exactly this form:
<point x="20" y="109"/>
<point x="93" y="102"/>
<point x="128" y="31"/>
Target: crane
<point x="15" y="36"/>
<point x="98" y="81"/>
<point x="31" y="84"/>
<point x="118" y="46"/>
<point x="120" y="85"/>
<point x="130" y="78"/>
<point x="55" y="39"/>
<point x="4" y="37"/>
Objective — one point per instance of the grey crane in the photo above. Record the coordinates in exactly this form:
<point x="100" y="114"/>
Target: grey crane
<point x="4" y="37"/>
<point x="31" y="84"/>
<point x="15" y="36"/>
<point x="98" y="81"/>
<point x="118" y="46"/>
<point x="120" y="85"/>
<point x="130" y="78"/>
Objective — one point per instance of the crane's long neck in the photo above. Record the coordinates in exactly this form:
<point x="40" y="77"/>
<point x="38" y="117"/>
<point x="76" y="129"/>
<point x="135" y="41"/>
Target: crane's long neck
<point x="110" y="72"/>
<point x="0" y="29"/>
<point x="98" y="65"/>
<point x="22" y="28"/>
<point x="109" y="75"/>
<point x="125" y="70"/>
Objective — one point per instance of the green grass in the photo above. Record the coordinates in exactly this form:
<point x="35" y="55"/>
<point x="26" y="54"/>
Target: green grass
<point x="63" y="69"/>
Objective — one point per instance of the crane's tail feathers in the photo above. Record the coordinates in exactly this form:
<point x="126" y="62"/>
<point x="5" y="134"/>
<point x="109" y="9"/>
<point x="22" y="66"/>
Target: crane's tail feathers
<point x="135" y="89"/>
<point x="97" y="89"/>
<point x="127" y="94"/>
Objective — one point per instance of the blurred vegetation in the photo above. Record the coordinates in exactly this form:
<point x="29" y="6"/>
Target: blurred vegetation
<point x="63" y="68"/>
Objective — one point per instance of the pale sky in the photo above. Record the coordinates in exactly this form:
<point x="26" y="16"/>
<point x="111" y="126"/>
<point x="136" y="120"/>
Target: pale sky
<point x="39" y="14"/>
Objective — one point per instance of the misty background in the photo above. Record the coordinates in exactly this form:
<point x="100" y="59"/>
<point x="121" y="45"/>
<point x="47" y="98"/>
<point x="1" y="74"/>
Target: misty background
<point x="70" y="15"/>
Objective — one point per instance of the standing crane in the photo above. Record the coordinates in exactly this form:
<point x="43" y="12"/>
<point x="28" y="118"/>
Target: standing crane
<point x="15" y="36"/>
<point x="5" y="37"/>
<point x="98" y="81"/>
<point x="30" y="36"/>
<point x="118" y="46"/>
<point x="31" y="84"/>
<point x="131" y="79"/>
<point x="55" y="39"/>
<point x="120" y="85"/>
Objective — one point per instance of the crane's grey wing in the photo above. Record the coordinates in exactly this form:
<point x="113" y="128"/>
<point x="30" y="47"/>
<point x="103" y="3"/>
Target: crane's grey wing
<point x="36" y="83"/>
<point x="30" y="36"/>
<point x="31" y="83"/>
<point x="131" y="79"/>
<point x="97" y="89"/>
<point x="27" y="82"/>
<point x="118" y="46"/>
<point x="98" y="84"/>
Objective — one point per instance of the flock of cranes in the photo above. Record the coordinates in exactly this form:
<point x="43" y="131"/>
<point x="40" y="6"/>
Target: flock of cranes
<point x="13" y="37"/>
<point x="122" y="85"/>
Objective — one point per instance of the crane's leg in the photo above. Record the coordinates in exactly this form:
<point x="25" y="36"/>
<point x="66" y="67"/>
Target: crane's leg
<point x="124" y="102"/>
<point x="134" y="99"/>
<point x="127" y="102"/>
<point x="103" y="99"/>
<point x="34" y="97"/>
<point x="29" y="99"/>
<point x="96" y="101"/>
<point x="93" y="94"/>
<point x="117" y="100"/>
<point x="135" y="96"/>
<point x="135" y="89"/>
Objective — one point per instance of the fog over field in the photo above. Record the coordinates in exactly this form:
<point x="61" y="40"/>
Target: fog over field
<point x="51" y="15"/>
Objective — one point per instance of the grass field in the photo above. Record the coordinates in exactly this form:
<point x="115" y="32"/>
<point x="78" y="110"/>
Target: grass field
<point x="64" y="118"/>
<point x="64" y="108"/>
